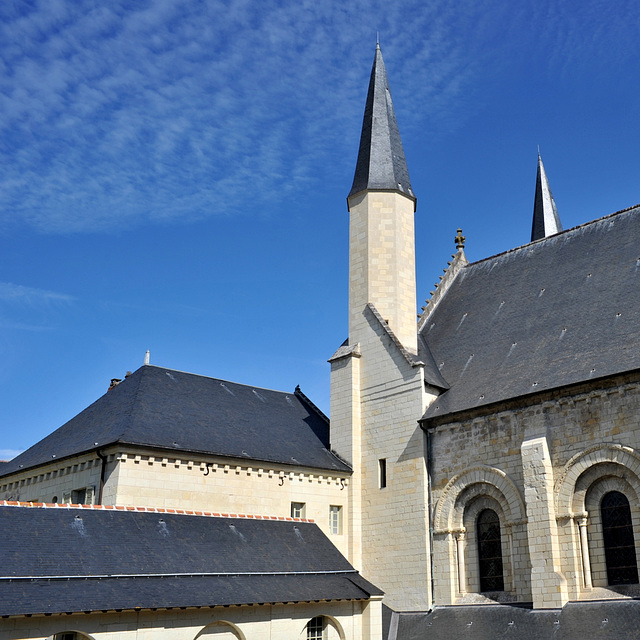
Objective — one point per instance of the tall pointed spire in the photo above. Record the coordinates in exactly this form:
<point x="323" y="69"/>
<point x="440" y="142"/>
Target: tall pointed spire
<point x="546" y="221"/>
<point x="381" y="223"/>
<point x="381" y="164"/>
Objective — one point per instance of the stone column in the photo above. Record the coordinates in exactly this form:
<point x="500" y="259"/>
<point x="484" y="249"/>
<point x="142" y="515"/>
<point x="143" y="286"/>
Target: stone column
<point x="584" y="548"/>
<point x="548" y="585"/>
<point x="462" y="564"/>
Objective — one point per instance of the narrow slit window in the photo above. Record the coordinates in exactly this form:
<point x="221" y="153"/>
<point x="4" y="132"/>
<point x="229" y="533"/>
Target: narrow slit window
<point x="382" y="473"/>
<point x="335" y="519"/>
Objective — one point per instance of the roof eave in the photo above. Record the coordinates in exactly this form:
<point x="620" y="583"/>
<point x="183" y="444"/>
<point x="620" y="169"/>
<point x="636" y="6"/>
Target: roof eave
<point x="433" y="421"/>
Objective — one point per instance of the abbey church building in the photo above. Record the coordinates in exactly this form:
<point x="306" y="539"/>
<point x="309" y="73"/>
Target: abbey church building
<point x="479" y="476"/>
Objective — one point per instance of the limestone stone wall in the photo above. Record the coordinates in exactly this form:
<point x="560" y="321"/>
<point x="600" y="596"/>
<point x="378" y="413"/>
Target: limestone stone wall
<point x="544" y="464"/>
<point x="382" y="262"/>
<point x="346" y="439"/>
<point x="394" y="518"/>
<point x="231" y="486"/>
<point x="352" y="620"/>
<point x="147" y="479"/>
<point x="50" y="483"/>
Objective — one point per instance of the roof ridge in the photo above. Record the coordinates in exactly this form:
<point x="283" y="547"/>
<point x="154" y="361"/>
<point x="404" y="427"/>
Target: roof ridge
<point x="132" y="411"/>
<point x="556" y="235"/>
<point x="411" y="358"/>
<point x="125" y="508"/>
<point x="188" y="574"/>
<point x="305" y="400"/>
<point x="450" y="273"/>
<point x="200" y="375"/>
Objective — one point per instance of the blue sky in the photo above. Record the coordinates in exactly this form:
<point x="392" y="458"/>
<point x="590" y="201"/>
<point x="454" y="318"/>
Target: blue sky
<point x="174" y="172"/>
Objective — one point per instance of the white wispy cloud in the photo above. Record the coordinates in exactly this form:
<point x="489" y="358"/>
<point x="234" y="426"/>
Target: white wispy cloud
<point x="113" y="114"/>
<point x="21" y="295"/>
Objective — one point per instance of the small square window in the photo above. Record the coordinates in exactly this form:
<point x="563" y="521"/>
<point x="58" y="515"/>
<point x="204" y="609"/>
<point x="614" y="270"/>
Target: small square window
<point x="382" y="473"/>
<point x="298" y="509"/>
<point x="335" y="519"/>
<point x="79" y="496"/>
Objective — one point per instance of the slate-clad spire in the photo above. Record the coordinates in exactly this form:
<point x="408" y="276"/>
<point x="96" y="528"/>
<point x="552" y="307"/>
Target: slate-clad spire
<point x="546" y="221"/>
<point x="381" y="163"/>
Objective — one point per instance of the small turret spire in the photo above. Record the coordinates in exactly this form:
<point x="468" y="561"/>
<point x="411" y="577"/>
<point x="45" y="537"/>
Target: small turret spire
<point x="546" y="221"/>
<point x="381" y="164"/>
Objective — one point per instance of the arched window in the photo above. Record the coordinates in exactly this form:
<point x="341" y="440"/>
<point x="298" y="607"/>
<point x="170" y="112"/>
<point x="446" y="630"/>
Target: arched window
<point x="489" y="551"/>
<point x="619" y="545"/>
<point x="315" y="628"/>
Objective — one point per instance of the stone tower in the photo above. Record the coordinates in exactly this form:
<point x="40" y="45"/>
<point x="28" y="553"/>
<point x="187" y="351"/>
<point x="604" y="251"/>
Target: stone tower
<point x="377" y="377"/>
<point x="382" y="206"/>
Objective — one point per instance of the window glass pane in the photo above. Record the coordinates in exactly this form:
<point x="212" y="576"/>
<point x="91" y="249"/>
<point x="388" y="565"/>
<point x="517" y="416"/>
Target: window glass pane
<point x="490" y="551"/>
<point x="335" y="519"/>
<point x="315" y="628"/>
<point x="619" y="544"/>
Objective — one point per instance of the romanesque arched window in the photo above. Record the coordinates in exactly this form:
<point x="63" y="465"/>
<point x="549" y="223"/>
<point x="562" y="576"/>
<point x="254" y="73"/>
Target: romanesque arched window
<point x="619" y="544"/>
<point x="489" y="551"/>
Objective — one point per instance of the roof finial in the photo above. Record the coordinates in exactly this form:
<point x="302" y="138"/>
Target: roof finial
<point x="146" y="357"/>
<point x="377" y="40"/>
<point x="459" y="240"/>
<point x="538" y="151"/>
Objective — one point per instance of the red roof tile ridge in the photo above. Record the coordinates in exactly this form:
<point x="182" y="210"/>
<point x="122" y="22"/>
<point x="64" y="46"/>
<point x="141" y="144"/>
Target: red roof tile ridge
<point x="118" y="507"/>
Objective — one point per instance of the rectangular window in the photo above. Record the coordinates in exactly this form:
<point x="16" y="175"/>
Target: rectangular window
<point x="297" y="509"/>
<point x="382" y="472"/>
<point x="335" y="519"/>
<point x="79" y="496"/>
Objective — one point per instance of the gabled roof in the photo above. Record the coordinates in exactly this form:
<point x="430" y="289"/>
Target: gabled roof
<point x="381" y="164"/>
<point x="59" y="560"/>
<point x="182" y="412"/>
<point x="559" y="311"/>
<point x="546" y="220"/>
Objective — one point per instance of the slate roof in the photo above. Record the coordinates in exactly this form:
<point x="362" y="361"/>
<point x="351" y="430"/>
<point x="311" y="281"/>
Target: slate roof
<point x="555" y="312"/>
<point x="182" y="412"/>
<point x="381" y="163"/>
<point x="598" y="620"/>
<point x="58" y="560"/>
